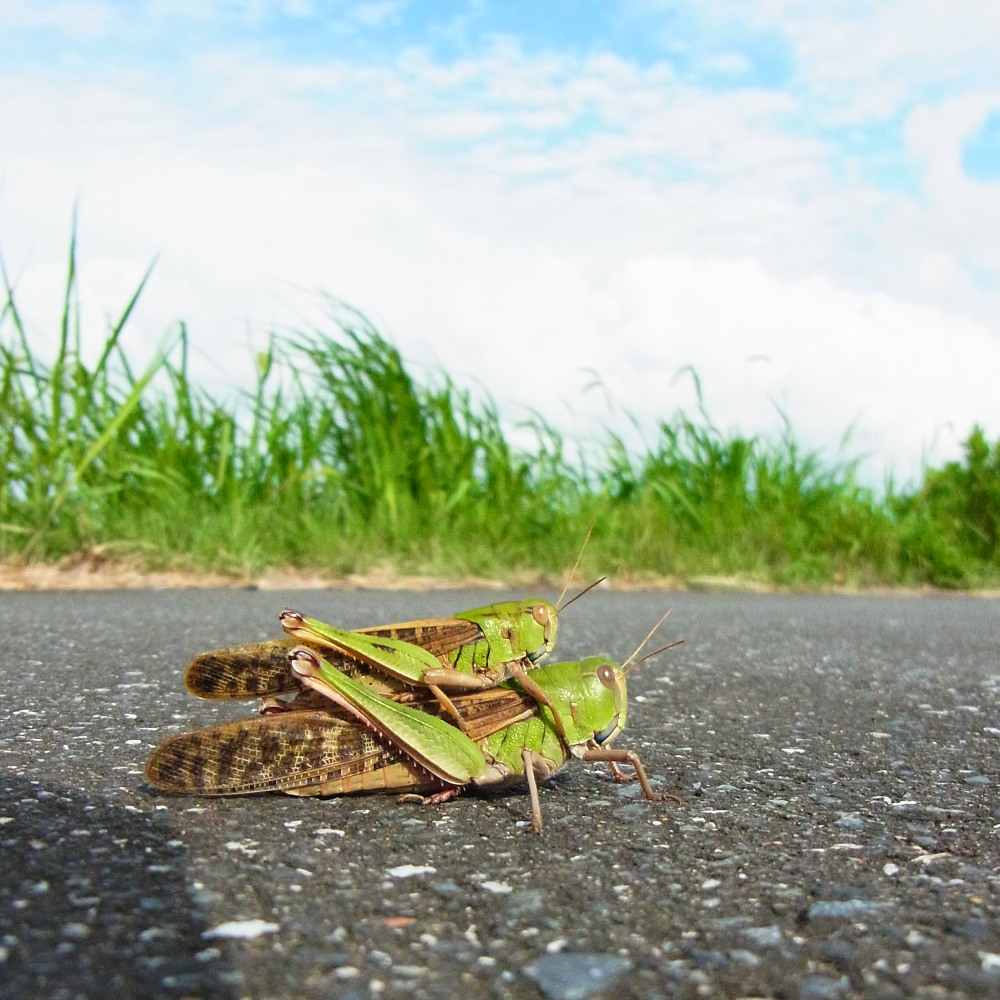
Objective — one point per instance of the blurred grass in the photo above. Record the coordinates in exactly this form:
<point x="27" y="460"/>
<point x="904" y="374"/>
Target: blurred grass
<point x="340" y="461"/>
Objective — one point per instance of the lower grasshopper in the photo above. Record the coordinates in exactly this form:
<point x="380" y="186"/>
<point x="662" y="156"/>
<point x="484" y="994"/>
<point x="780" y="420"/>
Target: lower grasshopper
<point x="371" y="743"/>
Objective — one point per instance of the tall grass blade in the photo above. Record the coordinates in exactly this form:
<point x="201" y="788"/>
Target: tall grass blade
<point x="341" y="459"/>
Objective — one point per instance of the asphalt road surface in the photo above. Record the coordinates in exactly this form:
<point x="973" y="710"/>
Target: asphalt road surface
<point x="837" y="758"/>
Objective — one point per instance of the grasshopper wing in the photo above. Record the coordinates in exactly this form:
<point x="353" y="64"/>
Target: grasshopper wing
<point x="439" y="636"/>
<point x="254" y="670"/>
<point x="260" y="669"/>
<point x="267" y="753"/>
<point x="321" y="751"/>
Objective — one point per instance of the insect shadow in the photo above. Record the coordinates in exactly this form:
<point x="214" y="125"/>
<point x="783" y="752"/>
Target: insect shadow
<point x="93" y="902"/>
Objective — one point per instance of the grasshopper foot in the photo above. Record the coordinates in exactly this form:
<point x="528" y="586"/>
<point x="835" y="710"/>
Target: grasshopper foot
<point x="622" y="777"/>
<point x="432" y="800"/>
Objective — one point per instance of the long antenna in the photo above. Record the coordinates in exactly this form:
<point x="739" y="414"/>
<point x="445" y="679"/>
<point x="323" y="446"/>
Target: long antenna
<point x="590" y="587"/>
<point x="576" y="566"/>
<point x="649" y="636"/>
<point x="649" y="656"/>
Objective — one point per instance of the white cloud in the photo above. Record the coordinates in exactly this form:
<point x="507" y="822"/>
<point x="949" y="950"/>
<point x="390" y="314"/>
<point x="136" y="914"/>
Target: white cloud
<point x="456" y="205"/>
<point x="80" y="18"/>
<point x="867" y="60"/>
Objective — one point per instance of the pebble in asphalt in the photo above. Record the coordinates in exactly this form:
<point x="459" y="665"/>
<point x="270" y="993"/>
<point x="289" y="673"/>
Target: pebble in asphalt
<point x="837" y="758"/>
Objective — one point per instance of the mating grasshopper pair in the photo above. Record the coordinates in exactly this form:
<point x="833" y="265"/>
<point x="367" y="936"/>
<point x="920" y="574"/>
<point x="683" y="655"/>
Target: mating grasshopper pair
<point x="419" y="707"/>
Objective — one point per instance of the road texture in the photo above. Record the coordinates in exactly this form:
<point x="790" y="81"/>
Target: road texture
<point x="837" y="758"/>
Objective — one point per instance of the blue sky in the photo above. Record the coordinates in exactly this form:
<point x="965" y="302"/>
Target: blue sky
<point x="802" y="201"/>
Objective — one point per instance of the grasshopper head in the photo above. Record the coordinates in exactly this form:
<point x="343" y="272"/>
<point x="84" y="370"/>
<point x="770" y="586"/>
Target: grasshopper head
<point x="612" y="678"/>
<point x="517" y="629"/>
<point x="540" y="626"/>
<point x="590" y="697"/>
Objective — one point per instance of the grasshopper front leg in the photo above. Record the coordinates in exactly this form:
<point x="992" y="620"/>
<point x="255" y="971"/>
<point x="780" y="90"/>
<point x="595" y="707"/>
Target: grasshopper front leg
<point x="615" y="757"/>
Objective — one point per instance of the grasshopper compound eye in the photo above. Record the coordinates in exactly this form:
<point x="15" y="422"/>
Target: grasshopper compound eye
<point x="541" y="614"/>
<point x="290" y="618"/>
<point x="606" y="675"/>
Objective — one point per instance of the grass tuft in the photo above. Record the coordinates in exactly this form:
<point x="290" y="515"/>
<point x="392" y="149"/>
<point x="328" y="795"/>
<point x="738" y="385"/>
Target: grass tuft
<point x="341" y="461"/>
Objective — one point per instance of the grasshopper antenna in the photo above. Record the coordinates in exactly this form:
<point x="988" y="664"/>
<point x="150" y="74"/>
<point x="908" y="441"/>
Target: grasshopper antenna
<point x="649" y="635"/>
<point x="563" y="607"/>
<point x="649" y="656"/>
<point x="576" y="566"/>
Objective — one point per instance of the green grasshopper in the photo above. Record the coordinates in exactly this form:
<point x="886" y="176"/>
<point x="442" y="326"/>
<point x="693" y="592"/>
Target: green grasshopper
<point x="414" y="665"/>
<point x="368" y="742"/>
<point x="471" y="651"/>
<point x="261" y="669"/>
<point x="474" y="649"/>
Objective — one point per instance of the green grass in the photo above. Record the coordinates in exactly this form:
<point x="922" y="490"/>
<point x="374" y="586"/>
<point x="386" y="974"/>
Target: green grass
<point x="341" y="461"/>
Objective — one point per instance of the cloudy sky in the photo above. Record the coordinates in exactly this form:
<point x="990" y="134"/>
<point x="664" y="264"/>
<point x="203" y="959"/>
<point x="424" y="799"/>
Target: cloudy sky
<point x="800" y="200"/>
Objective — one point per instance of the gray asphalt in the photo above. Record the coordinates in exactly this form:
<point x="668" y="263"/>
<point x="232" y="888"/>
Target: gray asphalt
<point x="839" y="834"/>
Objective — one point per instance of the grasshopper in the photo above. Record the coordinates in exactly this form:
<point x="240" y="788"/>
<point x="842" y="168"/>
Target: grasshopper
<point x="412" y="664"/>
<point x="471" y="651"/>
<point x="368" y="742"/>
<point x="260" y="669"/>
<point x="474" y="649"/>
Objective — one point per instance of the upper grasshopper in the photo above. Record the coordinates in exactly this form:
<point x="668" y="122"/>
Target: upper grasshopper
<point x="260" y="669"/>
<point x="473" y="649"/>
<point x="376" y="744"/>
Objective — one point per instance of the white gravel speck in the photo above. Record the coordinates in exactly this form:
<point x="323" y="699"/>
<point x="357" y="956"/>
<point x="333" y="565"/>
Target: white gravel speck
<point x="929" y="859"/>
<point x="500" y="888"/>
<point x="406" y="871"/>
<point x="242" y="929"/>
